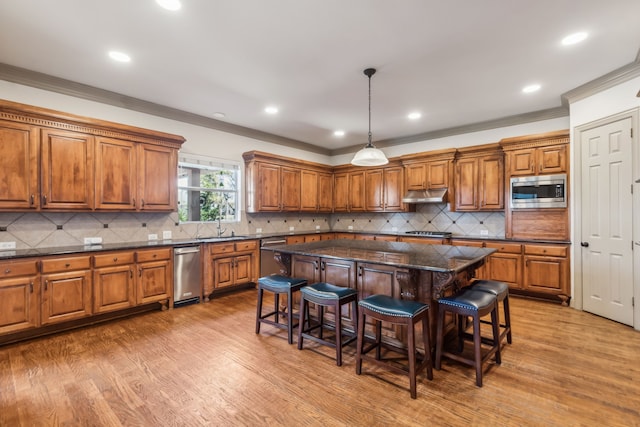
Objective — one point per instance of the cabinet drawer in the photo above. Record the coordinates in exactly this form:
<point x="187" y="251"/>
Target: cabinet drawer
<point x="247" y="246"/>
<point x="512" y="248"/>
<point x="471" y="243"/>
<point x="153" y="255"/>
<point x="66" y="264"/>
<point x="223" y="248"/>
<point x="18" y="268"/>
<point x="560" y="251"/>
<point x="111" y="259"/>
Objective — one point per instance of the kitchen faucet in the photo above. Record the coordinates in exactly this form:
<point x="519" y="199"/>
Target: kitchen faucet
<point x="219" y="227"/>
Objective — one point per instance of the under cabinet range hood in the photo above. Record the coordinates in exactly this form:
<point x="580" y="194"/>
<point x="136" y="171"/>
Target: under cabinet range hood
<point x="438" y="195"/>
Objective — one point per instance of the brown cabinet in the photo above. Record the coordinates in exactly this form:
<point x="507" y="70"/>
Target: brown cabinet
<point x="113" y="281"/>
<point x="538" y="161"/>
<point x="429" y="170"/>
<point x="66" y="289"/>
<point x="19" y="159"/>
<point x="316" y="191"/>
<point x="231" y="264"/>
<point x="479" y="175"/>
<point x="157" y="178"/>
<point x="67" y="170"/>
<point x="154" y="282"/>
<point x="19" y="296"/>
<point x="349" y="191"/>
<point x="547" y="270"/>
<point x="116" y="174"/>
<point x="383" y="189"/>
<point x="279" y="188"/>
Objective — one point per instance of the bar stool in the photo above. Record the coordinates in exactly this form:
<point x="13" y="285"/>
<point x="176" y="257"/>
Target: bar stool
<point x="382" y="308"/>
<point x="501" y="291"/>
<point x="474" y="304"/>
<point x="278" y="285"/>
<point x="326" y="295"/>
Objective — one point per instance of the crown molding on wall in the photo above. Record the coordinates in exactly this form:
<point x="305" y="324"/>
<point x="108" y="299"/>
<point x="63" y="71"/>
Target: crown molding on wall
<point x="91" y="93"/>
<point x="605" y="82"/>
<point x="518" y="119"/>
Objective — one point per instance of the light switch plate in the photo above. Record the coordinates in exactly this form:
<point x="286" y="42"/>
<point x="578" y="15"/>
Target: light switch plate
<point x="166" y="235"/>
<point x="153" y="237"/>
<point x="93" y="240"/>
<point x="484" y="232"/>
<point x="258" y="230"/>
<point x="7" y="245"/>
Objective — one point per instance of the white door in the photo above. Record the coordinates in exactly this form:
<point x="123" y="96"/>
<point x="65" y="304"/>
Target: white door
<point x="607" y="261"/>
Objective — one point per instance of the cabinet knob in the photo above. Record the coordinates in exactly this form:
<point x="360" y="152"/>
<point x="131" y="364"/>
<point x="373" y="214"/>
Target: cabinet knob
<point x="7" y="271"/>
<point x="115" y="259"/>
<point x="67" y="265"/>
<point x="584" y="244"/>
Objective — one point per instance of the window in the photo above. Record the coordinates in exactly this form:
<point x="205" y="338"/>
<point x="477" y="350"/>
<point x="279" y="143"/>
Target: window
<point x="208" y="189"/>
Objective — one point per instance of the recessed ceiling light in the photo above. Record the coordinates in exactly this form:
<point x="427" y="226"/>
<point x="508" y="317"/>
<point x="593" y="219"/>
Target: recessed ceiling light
<point x="119" y="56"/>
<point x="271" y="110"/>
<point x="414" y="116"/>
<point x="170" y="4"/>
<point x="531" y="88"/>
<point x="338" y="133"/>
<point x="218" y="115"/>
<point x="574" y="38"/>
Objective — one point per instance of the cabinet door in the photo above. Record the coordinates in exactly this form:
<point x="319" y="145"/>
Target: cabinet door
<point x="19" y="158"/>
<point x="116" y="179"/>
<point x="222" y="272"/>
<point x="416" y="176"/>
<point x="154" y="282"/>
<point x="309" y="191"/>
<point x="113" y="288"/>
<point x="158" y="177"/>
<point x="66" y="296"/>
<point x="374" y="190"/>
<point x="491" y="183"/>
<point x="290" y="189"/>
<point x="438" y="174"/>
<point x="242" y="272"/>
<point x="378" y="279"/>
<point x="340" y="273"/>
<point x="19" y="304"/>
<point x="305" y="267"/>
<point x="393" y="189"/>
<point x="356" y="191"/>
<point x="467" y="184"/>
<point x="268" y="187"/>
<point x="341" y="192"/>
<point x="505" y="267"/>
<point x="325" y="192"/>
<point x="67" y="170"/>
<point x="522" y="162"/>
<point x="546" y="274"/>
<point x="552" y="159"/>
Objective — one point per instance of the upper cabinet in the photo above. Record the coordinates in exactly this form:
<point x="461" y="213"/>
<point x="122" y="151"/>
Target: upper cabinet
<point x="316" y="191"/>
<point x="479" y="176"/>
<point x="57" y="161"/>
<point x="349" y="191"/>
<point x="429" y="171"/>
<point x="383" y="189"/>
<point x="536" y="154"/>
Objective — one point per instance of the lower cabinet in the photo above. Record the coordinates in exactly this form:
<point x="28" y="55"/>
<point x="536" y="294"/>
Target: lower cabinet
<point x="230" y="264"/>
<point x="113" y="282"/>
<point x="505" y="265"/>
<point x="155" y="276"/>
<point x="19" y="296"/>
<point x="547" y="270"/>
<point x="66" y="289"/>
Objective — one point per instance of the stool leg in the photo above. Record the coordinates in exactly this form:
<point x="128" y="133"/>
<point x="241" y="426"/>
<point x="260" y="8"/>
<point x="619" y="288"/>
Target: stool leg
<point x="378" y="338"/>
<point x="427" y="345"/>
<point x="495" y="321"/>
<point x="290" y="317"/>
<point x="259" y="309"/>
<point x="321" y="319"/>
<point x="507" y="317"/>
<point x="338" y="334"/>
<point x="276" y="307"/>
<point x="439" y="340"/>
<point x="411" y="344"/>
<point x="304" y="313"/>
<point x="360" y="342"/>
<point x="477" y="350"/>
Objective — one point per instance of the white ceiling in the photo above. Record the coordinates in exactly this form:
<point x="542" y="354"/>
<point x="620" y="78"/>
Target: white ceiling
<point x="458" y="62"/>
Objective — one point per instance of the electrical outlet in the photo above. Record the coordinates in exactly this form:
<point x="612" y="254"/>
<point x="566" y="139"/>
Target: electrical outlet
<point x="291" y="228"/>
<point x="258" y="230"/>
<point x="350" y="227"/>
<point x="93" y="240"/>
<point x="484" y="232"/>
<point x="153" y="237"/>
<point x="394" y="229"/>
<point x="7" y="245"/>
<point x="317" y="227"/>
<point x="166" y="235"/>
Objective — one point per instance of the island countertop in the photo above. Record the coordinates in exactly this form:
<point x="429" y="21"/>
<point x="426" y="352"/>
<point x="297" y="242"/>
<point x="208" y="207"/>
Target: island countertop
<point x="435" y="258"/>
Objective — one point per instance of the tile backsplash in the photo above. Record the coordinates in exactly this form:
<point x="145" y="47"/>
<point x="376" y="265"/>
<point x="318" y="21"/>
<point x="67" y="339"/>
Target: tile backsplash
<point x="38" y="230"/>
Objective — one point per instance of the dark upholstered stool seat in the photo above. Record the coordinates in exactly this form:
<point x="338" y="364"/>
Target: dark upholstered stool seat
<point x="501" y="291"/>
<point x="382" y="308"/>
<point x="474" y="304"/>
<point x="326" y="295"/>
<point x="278" y="285"/>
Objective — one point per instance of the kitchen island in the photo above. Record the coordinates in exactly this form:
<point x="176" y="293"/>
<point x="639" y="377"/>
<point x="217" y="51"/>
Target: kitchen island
<point x="401" y="270"/>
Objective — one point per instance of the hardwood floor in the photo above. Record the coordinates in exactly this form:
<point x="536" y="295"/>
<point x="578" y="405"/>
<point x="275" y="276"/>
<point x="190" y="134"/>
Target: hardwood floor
<point x="203" y="365"/>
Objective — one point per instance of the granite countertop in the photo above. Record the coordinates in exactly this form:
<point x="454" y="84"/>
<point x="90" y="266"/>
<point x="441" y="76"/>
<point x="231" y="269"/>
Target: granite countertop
<point x="442" y="258"/>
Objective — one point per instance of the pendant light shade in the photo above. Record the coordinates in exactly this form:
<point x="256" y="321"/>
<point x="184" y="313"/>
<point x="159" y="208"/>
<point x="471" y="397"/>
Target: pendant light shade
<point x="369" y="155"/>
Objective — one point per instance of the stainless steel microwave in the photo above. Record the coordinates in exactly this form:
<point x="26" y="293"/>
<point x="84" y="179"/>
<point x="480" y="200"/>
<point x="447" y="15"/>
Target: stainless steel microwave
<point x="540" y="191"/>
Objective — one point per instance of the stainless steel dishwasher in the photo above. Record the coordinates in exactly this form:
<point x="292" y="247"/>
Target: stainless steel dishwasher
<point x="187" y="275"/>
<point x="268" y="264"/>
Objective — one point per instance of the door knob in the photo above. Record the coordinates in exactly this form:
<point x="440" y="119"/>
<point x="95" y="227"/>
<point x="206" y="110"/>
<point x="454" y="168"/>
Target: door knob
<point x="584" y="244"/>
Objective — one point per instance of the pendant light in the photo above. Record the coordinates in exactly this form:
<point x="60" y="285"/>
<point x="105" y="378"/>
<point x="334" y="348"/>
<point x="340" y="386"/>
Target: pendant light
<point x="369" y="155"/>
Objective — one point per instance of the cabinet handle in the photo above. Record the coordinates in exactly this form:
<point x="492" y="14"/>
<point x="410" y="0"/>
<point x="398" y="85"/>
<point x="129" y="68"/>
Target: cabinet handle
<point x="134" y="201"/>
<point x="526" y="264"/>
<point x="316" y="264"/>
<point x="31" y="287"/>
<point x="360" y="271"/>
<point x="44" y="200"/>
<point x="46" y="284"/>
<point x="130" y="274"/>
<point x="33" y="199"/>
<point x="140" y="272"/>
<point x="322" y="265"/>
<point x="142" y="203"/>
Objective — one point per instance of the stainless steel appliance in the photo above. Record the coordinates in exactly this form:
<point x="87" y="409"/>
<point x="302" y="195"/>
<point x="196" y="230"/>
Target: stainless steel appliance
<point x="268" y="264"/>
<point x="536" y="192"/>
<point x="187" y="275"/>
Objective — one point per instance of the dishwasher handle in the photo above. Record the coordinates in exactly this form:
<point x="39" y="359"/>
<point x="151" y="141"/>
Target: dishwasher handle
<point x="272" y="242"/>
<point x="189" y="250"/>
